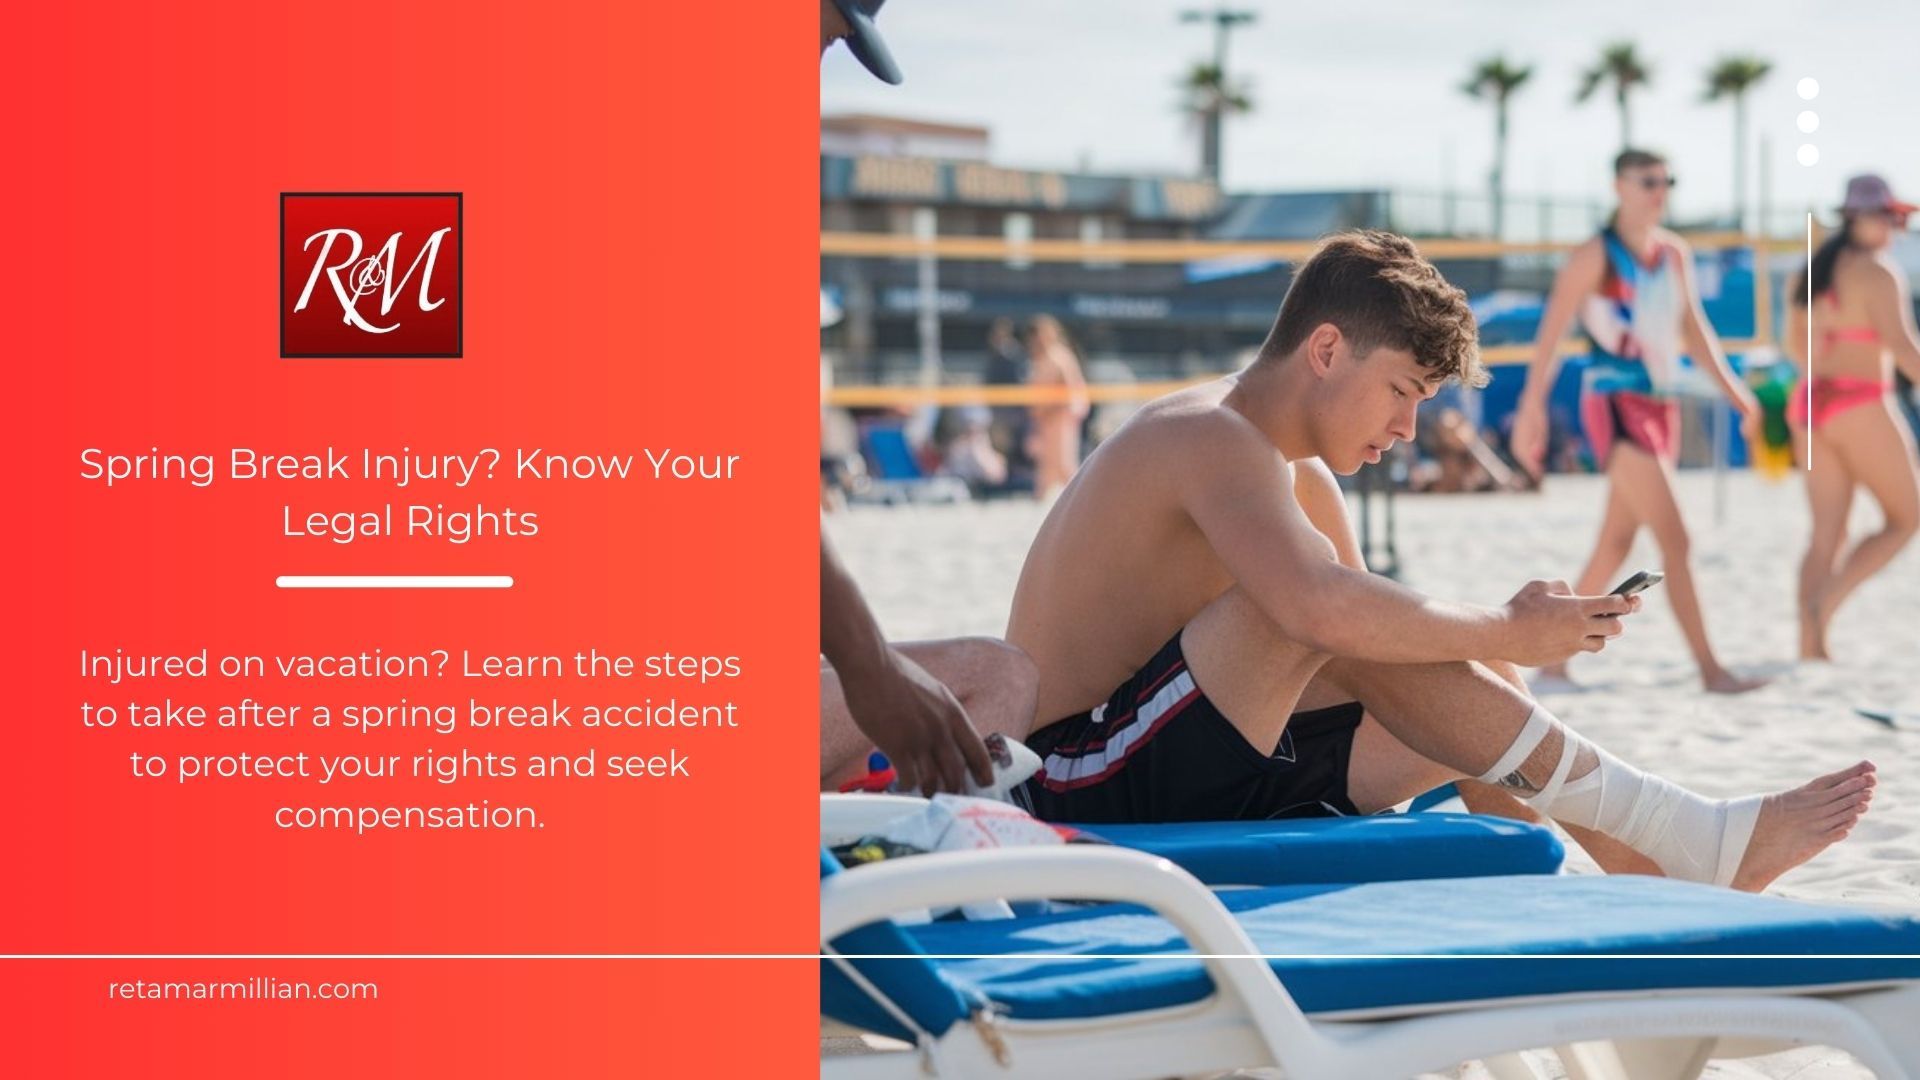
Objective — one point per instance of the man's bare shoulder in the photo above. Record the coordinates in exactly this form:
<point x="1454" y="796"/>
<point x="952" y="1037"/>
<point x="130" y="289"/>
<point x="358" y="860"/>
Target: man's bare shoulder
<point x="1585" y="263"/>
<point x="1666" y="236"/>
<point x="1193" y="446"/>
<point x="1194" y="422"/>
<point x="1593" y="249"/>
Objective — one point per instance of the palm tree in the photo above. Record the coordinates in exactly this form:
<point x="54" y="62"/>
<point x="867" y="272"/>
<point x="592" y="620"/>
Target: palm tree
<point x="1732" y="77"/>
<point x="1495" y="80"/>
<point x="1209" y="98"/>
<point x="1619" y="64"/>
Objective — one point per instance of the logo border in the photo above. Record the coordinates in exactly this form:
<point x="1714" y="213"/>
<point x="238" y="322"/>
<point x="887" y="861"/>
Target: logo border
<point x="459" y="274"/>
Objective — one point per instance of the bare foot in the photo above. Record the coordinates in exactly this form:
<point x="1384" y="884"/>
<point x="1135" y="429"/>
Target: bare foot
<point x="1722" y="681"/>
<point x="1796" y="825"/>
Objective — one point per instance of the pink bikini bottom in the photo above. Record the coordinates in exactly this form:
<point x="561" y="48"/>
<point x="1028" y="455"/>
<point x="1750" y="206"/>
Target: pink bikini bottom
<point x="1833" y="395"/>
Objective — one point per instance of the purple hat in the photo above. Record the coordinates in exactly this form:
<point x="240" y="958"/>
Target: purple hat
<point x="1867" y="193"/>
<point x="864" y="38"/>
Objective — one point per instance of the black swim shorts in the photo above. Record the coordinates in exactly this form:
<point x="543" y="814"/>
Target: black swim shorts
<point x="1159" y="751"/>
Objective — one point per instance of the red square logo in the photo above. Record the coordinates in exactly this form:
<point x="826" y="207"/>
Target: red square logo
<point x="370" y="274"/>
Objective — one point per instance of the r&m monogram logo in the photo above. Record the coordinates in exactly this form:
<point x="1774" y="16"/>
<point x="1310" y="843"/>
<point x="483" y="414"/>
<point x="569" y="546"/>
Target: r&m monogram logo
<point x="370" y="274"/>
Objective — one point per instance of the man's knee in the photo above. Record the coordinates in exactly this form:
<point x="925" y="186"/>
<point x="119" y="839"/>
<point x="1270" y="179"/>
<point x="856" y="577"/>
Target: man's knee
<point x="1010" y="666"/>
<point x="1508" y="674"/>
<point x="1000" y="678"/>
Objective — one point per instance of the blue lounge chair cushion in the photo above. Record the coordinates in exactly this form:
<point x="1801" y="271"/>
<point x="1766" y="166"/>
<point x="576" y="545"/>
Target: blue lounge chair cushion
<point x="913" y="984"/>
<point x="1621" y="917"/>
<point x="1312" y="851"/>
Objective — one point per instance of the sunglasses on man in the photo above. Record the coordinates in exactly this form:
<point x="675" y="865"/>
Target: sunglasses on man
<point x="1655" y="183"/>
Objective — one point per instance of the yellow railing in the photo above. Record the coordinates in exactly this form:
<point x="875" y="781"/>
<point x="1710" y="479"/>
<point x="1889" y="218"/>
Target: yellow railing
<point x="890" y="245"/>
<point x="895" y="245"/>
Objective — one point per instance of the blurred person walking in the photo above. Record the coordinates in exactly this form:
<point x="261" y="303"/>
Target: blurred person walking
<point x="1632" y="290"/>
<point x="1054" y="439"/>
<point x="1843" y="411"/>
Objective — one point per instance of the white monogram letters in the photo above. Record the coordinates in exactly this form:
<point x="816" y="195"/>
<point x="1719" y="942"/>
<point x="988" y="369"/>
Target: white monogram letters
<point x="353" y="277"/>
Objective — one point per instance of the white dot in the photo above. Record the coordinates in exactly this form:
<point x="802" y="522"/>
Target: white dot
<point x="1809" y="89"/>
<point x="1809" y="154"/>
<point x="1809" y="121"/>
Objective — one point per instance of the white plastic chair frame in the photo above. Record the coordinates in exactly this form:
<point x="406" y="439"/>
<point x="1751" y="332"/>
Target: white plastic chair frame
<point x="1251" y="1021"/>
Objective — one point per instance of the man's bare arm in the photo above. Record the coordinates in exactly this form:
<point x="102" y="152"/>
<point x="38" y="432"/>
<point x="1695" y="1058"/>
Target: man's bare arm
<point x="1577" y="280"/>
<point x="1325" y="505"/>
<point x="1237" y="491"/>
<point x="1702" y="343"/>
<point x="911" y="716"/>
<point x="1580" y="278"/>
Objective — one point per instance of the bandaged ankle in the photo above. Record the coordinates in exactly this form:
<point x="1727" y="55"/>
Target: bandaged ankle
<point x="1507" y="772"/>
<point x="1688" y="836"/>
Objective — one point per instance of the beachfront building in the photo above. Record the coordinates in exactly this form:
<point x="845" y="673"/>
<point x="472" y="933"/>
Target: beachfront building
<point x="905" y="318"/>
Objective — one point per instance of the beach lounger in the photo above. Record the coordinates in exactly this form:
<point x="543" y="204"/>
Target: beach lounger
<point x="896" y="473"/>
<point x="1303" y="851"/>
<point x="1650" y="977"/>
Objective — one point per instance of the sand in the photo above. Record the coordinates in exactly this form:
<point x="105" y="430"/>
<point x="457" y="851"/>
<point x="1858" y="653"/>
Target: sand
<point x="950" y="570"/>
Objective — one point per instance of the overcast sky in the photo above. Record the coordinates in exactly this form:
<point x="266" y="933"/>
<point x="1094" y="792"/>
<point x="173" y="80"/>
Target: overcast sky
<point x="1366" y="94"/>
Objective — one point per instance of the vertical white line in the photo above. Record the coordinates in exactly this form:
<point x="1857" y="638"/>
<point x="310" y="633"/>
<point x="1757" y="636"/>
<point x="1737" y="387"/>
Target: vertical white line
<point x="1809" y="380"/>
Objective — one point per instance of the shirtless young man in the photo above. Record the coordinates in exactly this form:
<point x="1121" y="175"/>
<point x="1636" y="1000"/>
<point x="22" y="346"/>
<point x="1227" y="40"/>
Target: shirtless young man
<point x="1210" y="646"/>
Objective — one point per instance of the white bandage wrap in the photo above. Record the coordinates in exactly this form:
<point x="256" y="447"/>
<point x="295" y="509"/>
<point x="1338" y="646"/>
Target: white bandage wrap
<point x="1690" y="837"/>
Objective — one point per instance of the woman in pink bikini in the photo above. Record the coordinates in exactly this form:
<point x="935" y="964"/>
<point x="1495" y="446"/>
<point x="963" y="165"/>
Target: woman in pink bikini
<point x="1863" y="325"/>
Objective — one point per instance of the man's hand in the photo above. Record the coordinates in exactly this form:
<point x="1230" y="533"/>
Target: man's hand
<point x="917" y="722"/>
<point x="1546" y="623"/>
<point x="1529" y="440"/>
<point x="1752" y="416"/>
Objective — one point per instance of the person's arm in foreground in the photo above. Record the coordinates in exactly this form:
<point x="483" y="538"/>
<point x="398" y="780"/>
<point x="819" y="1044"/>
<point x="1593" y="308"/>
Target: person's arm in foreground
<point x="1238" y="493"/>
<point x="910" y="715"/>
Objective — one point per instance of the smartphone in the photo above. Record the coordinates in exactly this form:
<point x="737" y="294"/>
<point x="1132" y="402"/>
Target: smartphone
<point x="1645" y="579"/>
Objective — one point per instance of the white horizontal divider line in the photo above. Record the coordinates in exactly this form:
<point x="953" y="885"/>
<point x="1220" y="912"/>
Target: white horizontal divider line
<point x="394" y="581"/>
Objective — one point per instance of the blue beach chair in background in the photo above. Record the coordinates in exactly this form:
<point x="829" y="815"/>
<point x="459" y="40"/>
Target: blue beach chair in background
<point x="896" y="475"/>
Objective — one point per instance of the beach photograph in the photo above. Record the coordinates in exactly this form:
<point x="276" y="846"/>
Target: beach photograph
<point x="1408" y="511"/>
